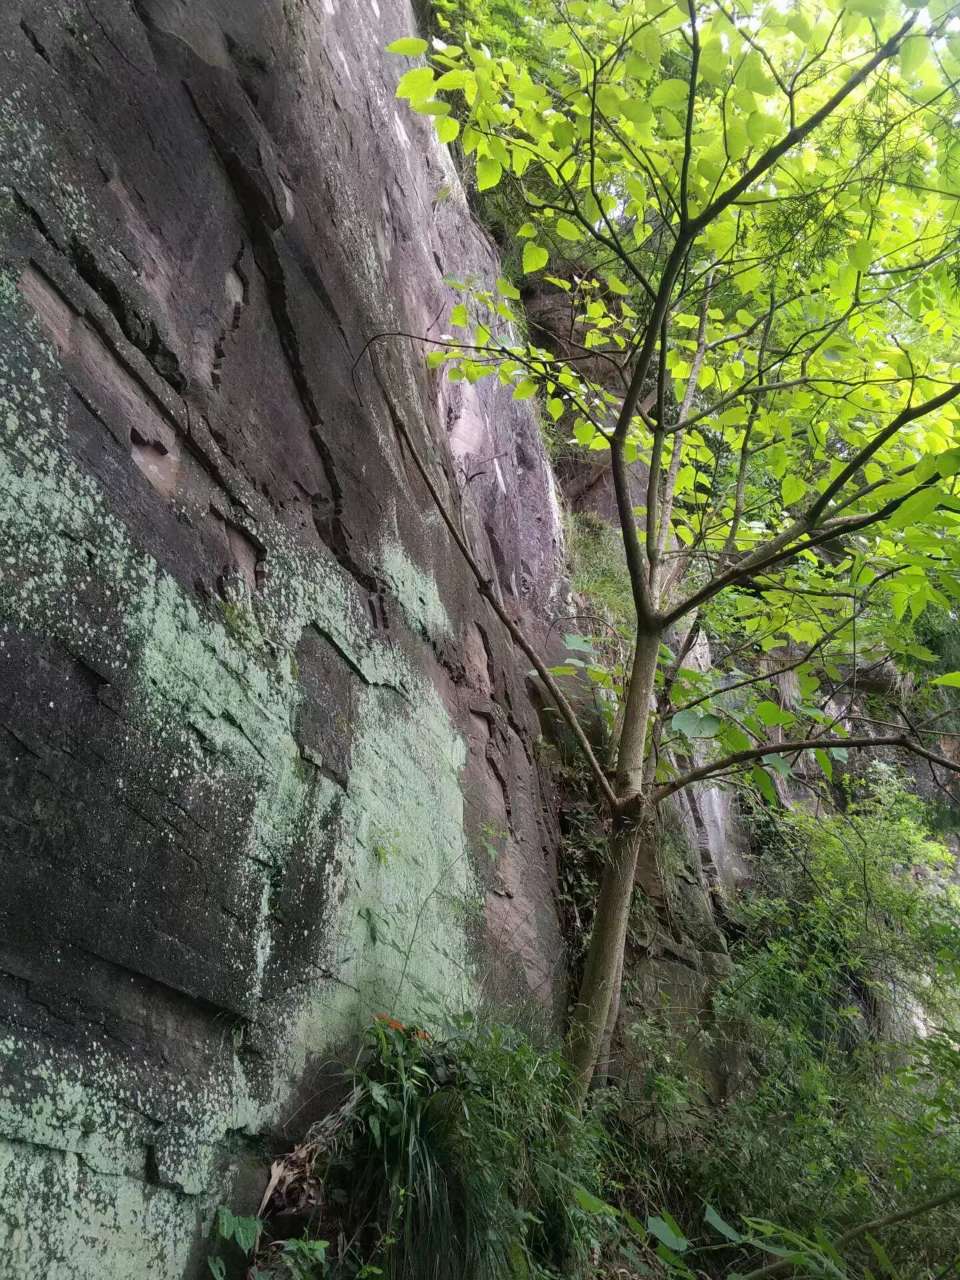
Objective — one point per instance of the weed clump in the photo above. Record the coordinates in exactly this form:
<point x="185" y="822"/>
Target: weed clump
<point x="453" y="1157"/>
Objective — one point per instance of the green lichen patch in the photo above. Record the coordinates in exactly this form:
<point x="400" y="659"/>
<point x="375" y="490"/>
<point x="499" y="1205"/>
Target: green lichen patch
<point x="126" y="1172"/>
<point x="26" y="160"/>
<point x="60" y="1218"/>
<point x="416" y="591"/>
<point x="403" y="947"/>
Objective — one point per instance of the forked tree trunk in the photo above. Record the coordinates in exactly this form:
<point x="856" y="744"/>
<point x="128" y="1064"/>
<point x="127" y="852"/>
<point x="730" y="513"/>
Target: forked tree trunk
<point x="588" y="1020"/>
<point x="602" y="1073"/>
<point x="603" y="968"/>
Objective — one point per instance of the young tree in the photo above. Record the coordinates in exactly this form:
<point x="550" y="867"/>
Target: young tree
<point x="753" y="211"/>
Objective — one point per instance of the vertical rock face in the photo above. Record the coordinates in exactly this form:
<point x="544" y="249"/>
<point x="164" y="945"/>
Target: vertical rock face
<point x="257" y="734"/>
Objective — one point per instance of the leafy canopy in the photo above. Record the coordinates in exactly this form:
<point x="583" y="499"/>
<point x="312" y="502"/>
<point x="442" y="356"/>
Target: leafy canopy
<point x="752" y="211"/>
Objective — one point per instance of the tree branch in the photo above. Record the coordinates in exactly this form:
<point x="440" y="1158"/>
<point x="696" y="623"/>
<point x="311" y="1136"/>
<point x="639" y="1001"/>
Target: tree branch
<point x="786" y="544"/>
<point x="688" y="125"/>
<point x="907" y="415"/>
<point x="877" y="1224"/>
<point x="516" y="634"/>
<point x="790" y="748"/>
<point x="670" y="483"/>
<point x="886" y="51"/>
<point x="687" y="232"/>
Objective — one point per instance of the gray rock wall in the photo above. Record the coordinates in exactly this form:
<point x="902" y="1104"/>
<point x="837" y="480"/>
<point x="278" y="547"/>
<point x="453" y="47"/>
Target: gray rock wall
<point x="257" y="734"/>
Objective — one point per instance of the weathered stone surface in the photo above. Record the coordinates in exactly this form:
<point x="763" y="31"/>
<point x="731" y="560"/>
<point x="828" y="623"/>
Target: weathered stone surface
<point x="256" y="731"/>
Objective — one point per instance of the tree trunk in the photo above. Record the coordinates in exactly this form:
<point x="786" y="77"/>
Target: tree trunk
<point x="603" y="969"/>
<point x="602" y="1073"/>
<point x="588" y="1020"/>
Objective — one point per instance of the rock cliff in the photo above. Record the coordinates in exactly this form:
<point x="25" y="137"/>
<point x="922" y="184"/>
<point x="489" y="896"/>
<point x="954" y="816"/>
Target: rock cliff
<point x="259" y="736"/>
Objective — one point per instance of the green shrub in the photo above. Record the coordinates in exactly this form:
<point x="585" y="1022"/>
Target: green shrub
<point x="453" y="1158"/>
<point x="840" y="1036"/>
<point x="600" y="572"/>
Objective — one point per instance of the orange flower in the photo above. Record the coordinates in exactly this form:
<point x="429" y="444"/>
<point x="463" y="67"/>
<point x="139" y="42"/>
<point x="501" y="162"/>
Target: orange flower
<point x="392" y="1023"/>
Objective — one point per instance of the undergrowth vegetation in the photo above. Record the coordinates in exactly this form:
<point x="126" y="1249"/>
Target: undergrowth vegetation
<point x="837" y="1032"/>
<point x="810" y="1122"/>
<point x="452" y="1155"/>
<point x="599" y="572"/>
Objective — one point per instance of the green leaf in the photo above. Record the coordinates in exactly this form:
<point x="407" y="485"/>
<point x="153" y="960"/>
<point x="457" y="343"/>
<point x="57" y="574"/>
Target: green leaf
<point x="825" y="763"/>
<point x="459" y="317"/>
<point x="761" y="780"/>
<point x="566" y="229"/>
<point x="760" y="126"/>
<point x="245" y="1232"/>
<point x="778" y="764"/>
<point x="507" y="289"/>
<point x="713" y="1218"/>
<point x="913" y="54"/>
<point x="792" y="488"/>
<point x="555" y="408"/>
<point x="635" y="1225"/>
<point x="447" y="128"/>
<point x="692" y="724"/>
<point x="580" y="644"/>
<point x="217" y="1268"/>
<point x="916" y="508"/>
<point x="737" y="140"/>
<point x="753" y="75"/>
<point x="525" y="389"/>
<point x="882" y="1257"/>
<point x="431" y="107"/>
<point x="769" y="714"/>
<point x="798" y="24"/>
<point x="668" y="1233"/>
<point x="670" y="93"/>
<point x="590" y="1203"/>
<point x="950" y="681"/>
<point x="535" y="257"/>
<point x="410" y="46"/>
<point x="489" y="172"/>
<point x="454" y="80"/>
<point x="734" y="738"/>
<point x="416" y="84"/>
